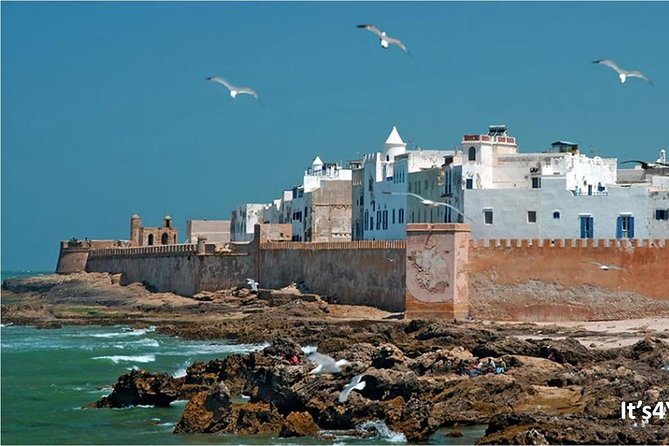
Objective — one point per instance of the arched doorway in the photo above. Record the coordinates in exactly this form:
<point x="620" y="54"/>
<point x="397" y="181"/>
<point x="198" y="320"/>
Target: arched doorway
<point x="150" y="240"/>
<point x="164" y="239"/>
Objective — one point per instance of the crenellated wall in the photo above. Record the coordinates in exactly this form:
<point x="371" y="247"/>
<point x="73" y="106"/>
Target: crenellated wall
<point x="524" y="279"/>
<point x="355" y="273"/>
<point x="175" y="268"/>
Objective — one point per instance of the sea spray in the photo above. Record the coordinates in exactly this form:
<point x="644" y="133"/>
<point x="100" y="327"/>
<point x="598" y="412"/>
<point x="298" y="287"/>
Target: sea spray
<point x="381" y="431"/>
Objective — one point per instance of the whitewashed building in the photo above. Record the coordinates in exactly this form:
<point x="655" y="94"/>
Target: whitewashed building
<point x="560" y="193"/>
<point x="319" y="209"/>
<point x="244" y="218"/>
<point x="379" y="215"/>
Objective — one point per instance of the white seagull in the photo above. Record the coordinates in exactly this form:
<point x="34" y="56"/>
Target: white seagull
<point x="326" y="364"/>
<point x="622" y="74"/>
<point x="253" y="284"/>
<point x="385" y="39"/>
<point x="429" y="203"/>
<point x="234" y="91"/>
<point x="605" y="267"/>
<point x="355" y="384"/>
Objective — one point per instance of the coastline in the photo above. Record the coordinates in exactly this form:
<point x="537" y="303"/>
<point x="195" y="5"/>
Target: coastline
<point x="585" y="382"/>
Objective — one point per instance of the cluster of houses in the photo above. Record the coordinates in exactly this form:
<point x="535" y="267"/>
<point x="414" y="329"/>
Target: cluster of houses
<point x="559" y="193"/>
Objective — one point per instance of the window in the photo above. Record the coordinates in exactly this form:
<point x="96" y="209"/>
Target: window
<point x="370" y="184"/>
<point x="401" y="216"/>
<point x="625" y="226"/>
<point x="536" y="182"/>
<point x="487" y="216"/>
<point x="556" y="215"/>
<point x="385" y="219"/>
<point x="469" y="184"/>
<point x="378" y="220"/>
<point x="587" y="226"/>
<point x="393" y="216"/>
<point x="366" y="220"/>
<point x="164" y="239"/>
<point x="472" y="154"/>
<point x="425" y="186"/>
<point x="447" y="182"/>
<point x="531" y="216"/>
<point x="662" y="214"/>
<point x="371" y="223"/>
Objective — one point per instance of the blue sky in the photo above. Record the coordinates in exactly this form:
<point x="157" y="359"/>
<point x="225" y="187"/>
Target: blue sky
<point x="106" y="113"/>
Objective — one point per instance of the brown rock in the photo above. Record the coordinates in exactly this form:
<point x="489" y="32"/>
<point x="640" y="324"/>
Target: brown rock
<point x="141" y="388"/>
<point x="299" y="424"/>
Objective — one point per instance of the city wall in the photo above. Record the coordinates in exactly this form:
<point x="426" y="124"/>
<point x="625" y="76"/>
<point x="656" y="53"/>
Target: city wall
<point x="355" y="273"/>
<point x="562" y="280"/>
<point x="515" y="274"/>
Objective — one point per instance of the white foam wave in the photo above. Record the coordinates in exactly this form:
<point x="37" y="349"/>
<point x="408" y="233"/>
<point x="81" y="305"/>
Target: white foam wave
<point x="139" y="358"/>
<point x="145" y="342"/>
<point x="382" y="432"/>
<point x="125" y="332"/>
<point x="178" y="402"/>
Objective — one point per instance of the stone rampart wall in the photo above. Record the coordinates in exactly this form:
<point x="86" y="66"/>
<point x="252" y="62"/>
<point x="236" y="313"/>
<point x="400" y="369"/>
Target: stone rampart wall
<point x="355" y="273"/>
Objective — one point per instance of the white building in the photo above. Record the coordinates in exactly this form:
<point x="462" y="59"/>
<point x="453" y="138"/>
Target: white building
<point x="244" y="219"/>
<point x="557" y="194"/>
<point x="320" y="208"/>
<point x="378" y="213"/>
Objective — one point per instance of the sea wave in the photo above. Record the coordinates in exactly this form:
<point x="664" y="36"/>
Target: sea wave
<point x="124" y="333"/>
<point x="382" y="432"/>
<point x="139" y="358"/>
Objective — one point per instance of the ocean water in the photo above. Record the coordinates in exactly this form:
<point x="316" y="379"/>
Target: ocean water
<point x="49" y="375"/>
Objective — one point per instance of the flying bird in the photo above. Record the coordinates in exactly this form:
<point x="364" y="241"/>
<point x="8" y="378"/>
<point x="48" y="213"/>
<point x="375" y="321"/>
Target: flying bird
<point x="647" y="165"/>
<point x="605" y="267"/>
<point x="253" y="284"/>
<point x="622" y="74"/>
<point x="355" y="384"/>
<point x="429" y="203"/>
<point x="385" y="39"/>
<point x="234" y="90"/>
<point x="326" y="364"/>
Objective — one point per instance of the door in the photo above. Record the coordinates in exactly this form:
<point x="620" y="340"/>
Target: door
<point x="587" y="226"/>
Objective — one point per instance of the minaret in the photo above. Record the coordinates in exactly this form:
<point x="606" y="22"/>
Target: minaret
<point x="393" y="146"/>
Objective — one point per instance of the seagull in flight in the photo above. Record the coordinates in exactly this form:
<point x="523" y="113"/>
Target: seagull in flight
<point x="355" y="384"/>
<point x="605" y="267"/>
<point x="253" y="284"/>
<point x="647" y="165"/>
<point x="326" y="364"/>
<point x="429" y="203"/>
<point x="385" y="39"/>
<point x="234" y="91"/>
<point x="622" y="74"/>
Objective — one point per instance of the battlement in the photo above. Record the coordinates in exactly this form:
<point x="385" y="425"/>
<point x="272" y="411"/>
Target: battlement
<point x="185" y="248"/>
<point x="318" y="246"/>
<point x="569" y="243"/>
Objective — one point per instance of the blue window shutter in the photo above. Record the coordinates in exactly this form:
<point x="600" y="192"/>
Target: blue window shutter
<point x="619" y="228"/>
<point x="583" y="227"/>
<point x="630" y="231"/>
<point x="592" y="227"/>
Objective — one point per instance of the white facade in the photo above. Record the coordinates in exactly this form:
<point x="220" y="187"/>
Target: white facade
<point x="244" y="219"/>
<point x="296" y="205"/>
<point x="557" y="194"/>
<point x="382" y="216"/>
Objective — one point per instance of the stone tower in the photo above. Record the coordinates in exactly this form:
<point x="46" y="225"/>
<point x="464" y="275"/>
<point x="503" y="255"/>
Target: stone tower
<point x="135" y="227"/>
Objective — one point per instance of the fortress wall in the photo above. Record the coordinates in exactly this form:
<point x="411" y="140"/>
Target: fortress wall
<point x="174" y="268"/>
<point x="177" y="272"/>
<point x="73" y="254"/>
<point x="558" y="280"/>
<point x="355" y="273"/>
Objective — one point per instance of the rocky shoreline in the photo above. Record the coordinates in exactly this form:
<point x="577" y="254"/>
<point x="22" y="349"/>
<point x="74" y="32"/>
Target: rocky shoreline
<point x="556" y="388"/>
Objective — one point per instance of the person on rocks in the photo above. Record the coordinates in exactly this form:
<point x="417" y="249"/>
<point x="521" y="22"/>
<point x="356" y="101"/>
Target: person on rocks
<point x="489" y="367"/>
<point x="462" y="367"/>
<point x="501" y="367"/>
<point x="474" y="369"/>
<point x="293" y="359"/>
